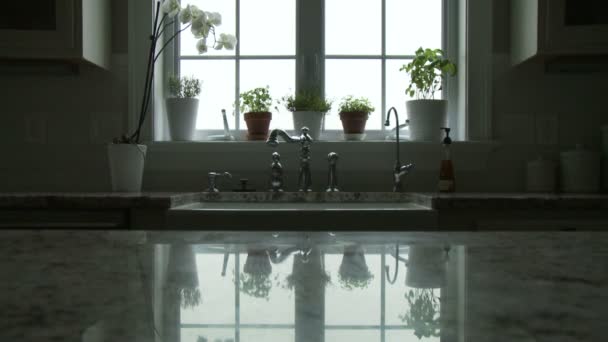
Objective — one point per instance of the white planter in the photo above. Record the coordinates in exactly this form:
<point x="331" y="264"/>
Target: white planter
<point x="312" y="120"/>
<point x="181" y="114"/>
<point x="426" y="117"/>
<point x="126" y="166"/>
<point x="426" y="267"/>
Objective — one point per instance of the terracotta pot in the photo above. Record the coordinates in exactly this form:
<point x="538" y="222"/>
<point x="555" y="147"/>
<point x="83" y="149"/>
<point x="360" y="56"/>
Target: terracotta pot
<point x="257" y="125"/>
<point x="353" y="122"/>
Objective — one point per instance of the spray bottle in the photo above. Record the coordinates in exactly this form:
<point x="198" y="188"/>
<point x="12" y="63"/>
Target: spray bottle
<point x="446" y="169"/>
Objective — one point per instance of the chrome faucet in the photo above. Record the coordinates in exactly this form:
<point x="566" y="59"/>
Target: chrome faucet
<point x="332" y="177"/>
<point x="211" y="176"/>
<point x="400" y="170"/>
<point x="304" y="177"/>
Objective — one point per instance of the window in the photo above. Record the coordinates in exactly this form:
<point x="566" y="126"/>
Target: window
<point x="365" y="42"/>
<point x="228" y="314"/>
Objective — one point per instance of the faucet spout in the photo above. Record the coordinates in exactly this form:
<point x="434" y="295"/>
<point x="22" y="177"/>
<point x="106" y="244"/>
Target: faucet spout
<point x="273" y="138"/>
<point x="400" y="170"/>
<point x="388" y="123"/>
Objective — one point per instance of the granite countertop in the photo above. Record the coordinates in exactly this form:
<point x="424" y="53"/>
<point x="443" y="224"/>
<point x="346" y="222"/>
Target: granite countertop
<point x="168" y="200"/>
<point x="96" y="200"/>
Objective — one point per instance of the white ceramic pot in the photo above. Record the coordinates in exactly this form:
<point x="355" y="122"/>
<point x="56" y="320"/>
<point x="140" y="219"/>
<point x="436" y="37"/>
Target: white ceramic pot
<point x="426" y="267"/>
<point x="580" y="171"/>
<point x="312" y="120"/>
<point x="181" y="113"/>
<point x="426" y="117"/>
<point x="126" y="166"/>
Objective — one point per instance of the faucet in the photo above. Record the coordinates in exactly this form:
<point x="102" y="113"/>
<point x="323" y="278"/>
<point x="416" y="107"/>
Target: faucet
<point x="304" y="177"/>
<point x="211" y="176"/>
<point x="400" y="170"/>
<point x="332" y="177"/>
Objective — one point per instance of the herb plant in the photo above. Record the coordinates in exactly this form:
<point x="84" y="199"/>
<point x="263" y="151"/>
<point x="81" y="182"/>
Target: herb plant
<point x="351" y="104"/>
<point x="423" y="313"/>
<point x="184" y="87"/>
<point x="256" y="100"/>
<point x="306" y="101"/>
<point x="426" y="72"/>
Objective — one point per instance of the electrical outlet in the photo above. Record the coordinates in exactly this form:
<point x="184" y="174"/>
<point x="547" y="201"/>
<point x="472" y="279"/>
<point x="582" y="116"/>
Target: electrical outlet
<point x="35" y="129"/>
<point x="547" y="130"/>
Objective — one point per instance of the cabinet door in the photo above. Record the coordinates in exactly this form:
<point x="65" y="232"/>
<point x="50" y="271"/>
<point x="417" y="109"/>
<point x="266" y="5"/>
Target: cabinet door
<point x="38" y="29"/>
<point x="576" y="26"/>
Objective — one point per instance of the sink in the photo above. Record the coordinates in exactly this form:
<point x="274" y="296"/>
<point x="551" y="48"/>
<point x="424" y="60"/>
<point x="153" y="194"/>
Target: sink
<point x="311" y="211"/>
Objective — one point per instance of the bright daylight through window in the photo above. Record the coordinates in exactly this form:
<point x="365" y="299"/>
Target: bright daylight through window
<point x="364" y="50"/>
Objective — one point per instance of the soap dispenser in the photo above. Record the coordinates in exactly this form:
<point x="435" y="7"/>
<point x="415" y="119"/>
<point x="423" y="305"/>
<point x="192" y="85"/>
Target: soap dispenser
<point x="446" y="169"/>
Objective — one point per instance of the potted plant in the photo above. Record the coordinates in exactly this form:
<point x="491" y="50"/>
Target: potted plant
<point x="423" y="314"/>
<point x="308" y="110"/>
<point x="126" y="155"/>
<point x="256" y="103"/>
<point x="353" y="114"/>
<point x="426" y="115"/>
<point x="353" y="272"/>
<point x="182" y="106"/>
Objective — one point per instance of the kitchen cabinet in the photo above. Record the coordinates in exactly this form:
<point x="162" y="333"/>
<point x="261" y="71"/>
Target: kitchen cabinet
<point x="549" y="29"/>
<point x="73" y="31"/>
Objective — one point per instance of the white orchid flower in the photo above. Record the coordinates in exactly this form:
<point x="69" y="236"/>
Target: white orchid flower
<point x="200" y="29"/>
<point x="226" y="41"/>
<point x="214" y="18"/>
<point x="201" y="46"/>
<point x="197" y="13"/>
<point x="171" y="8"/>
<point x="185" y="15"/>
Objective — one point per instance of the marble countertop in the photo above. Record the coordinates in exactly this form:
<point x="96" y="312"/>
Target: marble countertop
<point x="168" y="200"/>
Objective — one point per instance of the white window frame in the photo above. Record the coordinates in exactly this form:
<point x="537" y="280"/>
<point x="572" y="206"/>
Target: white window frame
<point x="467" y="39"/>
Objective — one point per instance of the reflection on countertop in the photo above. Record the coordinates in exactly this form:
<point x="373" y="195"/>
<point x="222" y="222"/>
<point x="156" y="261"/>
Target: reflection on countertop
<point x="302" y="286"/>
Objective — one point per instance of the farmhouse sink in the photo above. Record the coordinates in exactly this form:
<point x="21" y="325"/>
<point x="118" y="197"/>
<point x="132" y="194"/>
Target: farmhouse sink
<point x="310" y="211"/>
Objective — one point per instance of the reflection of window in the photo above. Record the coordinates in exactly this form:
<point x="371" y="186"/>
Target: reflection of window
<point x="227" y="314"/>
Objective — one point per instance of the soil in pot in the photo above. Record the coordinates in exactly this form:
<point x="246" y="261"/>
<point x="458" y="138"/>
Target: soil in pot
<point x="257" y="125"/>
<point x="353" y="122"/>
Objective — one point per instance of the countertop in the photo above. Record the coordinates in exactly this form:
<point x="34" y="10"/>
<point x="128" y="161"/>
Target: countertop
<point x="436" y="201"/>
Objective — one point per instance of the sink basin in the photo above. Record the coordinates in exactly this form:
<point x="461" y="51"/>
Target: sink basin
<point x="300" y="206"/>
<point x="311" y="211"/>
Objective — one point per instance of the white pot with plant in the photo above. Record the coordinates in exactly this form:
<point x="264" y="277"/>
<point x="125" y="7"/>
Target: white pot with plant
<point x="126" y="155"/>
<point x="427" y="115"/>
<point x="308" y="110"/>
<point x="354" y="113"/>
<point x="182" y="107"/>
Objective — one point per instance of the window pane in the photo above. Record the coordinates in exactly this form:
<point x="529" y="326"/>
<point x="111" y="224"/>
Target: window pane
<point x="352" y="335"/>
<point x="268" y="27"/>
<point x="217" y="90"/>
<point x="280" y="76"/>
<point x="396" y="83"/>
<point x="227" y="8"/>
<point x="411" y="24"/>
<point x="353" y="27"/>
<point x="217" y="292"/>
<point x="338" y="299"/>
<point x="277" y="307"/>
<point x="357" y="78"/>
<point x="210" y="334"/>
<point x="407" y="336"/>
<point x="267" y="335"/>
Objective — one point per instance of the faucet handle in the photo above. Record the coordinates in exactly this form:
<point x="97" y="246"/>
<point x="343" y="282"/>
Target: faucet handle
<point x="211" y="176"/>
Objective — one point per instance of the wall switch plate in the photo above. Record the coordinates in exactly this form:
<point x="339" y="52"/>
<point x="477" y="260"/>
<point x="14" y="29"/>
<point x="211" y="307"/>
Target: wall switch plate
<point x="36" y="129"/>
<point x="547" y="130"/>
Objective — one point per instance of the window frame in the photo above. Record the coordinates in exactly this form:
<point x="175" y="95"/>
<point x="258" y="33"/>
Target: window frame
<point x="469" y="43"/>
<point x="307" y="47"/>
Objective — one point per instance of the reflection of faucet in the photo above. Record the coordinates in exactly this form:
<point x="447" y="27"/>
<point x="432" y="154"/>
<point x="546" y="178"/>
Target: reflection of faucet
<point x="304" y="177"/>
<point x="400" y="170"/>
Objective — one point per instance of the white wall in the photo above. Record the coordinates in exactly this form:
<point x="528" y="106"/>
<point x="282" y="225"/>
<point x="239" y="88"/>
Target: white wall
<point x="54" y="128"/>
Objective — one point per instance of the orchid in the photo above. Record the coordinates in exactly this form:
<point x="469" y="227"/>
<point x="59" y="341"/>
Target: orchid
<point x="171" y="8"/>
<point x="226" y="41"/>
<point x="200" y="23"/>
